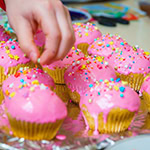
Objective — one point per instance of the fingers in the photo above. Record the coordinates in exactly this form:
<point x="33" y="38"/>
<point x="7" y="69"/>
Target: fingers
<point x="66" y="29"/>
<point x="52" y="33"/>
<point x="25" y="38"/>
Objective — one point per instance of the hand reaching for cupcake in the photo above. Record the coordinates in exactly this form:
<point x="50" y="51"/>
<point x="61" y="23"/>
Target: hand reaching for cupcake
<point x="52" y="17"/>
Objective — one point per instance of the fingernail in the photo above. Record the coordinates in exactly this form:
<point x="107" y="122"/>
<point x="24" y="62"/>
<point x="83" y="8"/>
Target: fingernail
<point x="33" y="56"/>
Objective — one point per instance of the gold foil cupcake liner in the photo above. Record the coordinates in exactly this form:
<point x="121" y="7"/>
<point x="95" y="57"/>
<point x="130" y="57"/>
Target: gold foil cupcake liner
<point x="12" y="70"/>
<point x="83" y="47"/>
<point x="118" y="120"/>
<point x="146" y="99"/>
<point x="74" y="96"/>
<point x="1" y="95"/>
<point x="57" y="74"/>
<point x="34" y="131"/>
<point x="134" y="80"/>
<point x="62" y="92"/>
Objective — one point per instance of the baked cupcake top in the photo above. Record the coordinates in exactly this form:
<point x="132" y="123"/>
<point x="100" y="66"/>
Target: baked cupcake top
<point x="24" y="77"/>
<point x="107" y="95"/>
<point x="72" y="56"/>
<point x="86" y="71"/>
<point x="11" y="55"/>
<point x="134" y="60"/>
<point x="39" y="38"/>
<point x="35" y="104"/>
<point x="146" y="85"/>
<point x="85" y="33"/>
<point x="3" y="34"/>
<point x="108" y="44"/>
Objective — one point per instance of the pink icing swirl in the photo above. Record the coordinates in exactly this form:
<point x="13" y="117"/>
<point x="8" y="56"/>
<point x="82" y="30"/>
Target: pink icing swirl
<point x="85" y="33"/>
<point x="133" y="60"/>
<point x="72" y="56"/>
<point x="11" y="55"/>
<point x="26" y="76"/>
<point x="35" y="104"/>
<point x="107" y="44"/>
<point x="86" y="71"/>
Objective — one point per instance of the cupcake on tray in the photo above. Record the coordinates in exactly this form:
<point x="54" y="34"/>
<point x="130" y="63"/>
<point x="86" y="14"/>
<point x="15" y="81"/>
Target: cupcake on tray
<point x="35" y="112"/>
<point x="110" y="106"/>
<point x="85" y="35"/>
<point x="84" y="73"/>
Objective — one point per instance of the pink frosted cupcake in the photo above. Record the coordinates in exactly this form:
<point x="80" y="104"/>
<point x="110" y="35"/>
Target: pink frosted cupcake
<point x="11" y="59"/>
<point x="84" y="73"/>
<point x="57" y="69"/>
<point x="35" y="112"/>
<point x="108" y="44"/>
<point x="85" y="35"/>
<point x="131" y="66"/>
<point x="109" y="107"/>
<point x="39" y="40"/>
<point x="3" y="35"/>
<point x="26" y="76"/>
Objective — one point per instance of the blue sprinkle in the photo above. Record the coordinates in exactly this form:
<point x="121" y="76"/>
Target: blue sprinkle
<point x="122" y="89"/>
<point x="137" y="53"/>
<point x="91" y="85"/>
<point x="10" y="39"/>
<point x="102" y="62"/>
<point x="86" y="78"/>
<point x="148" y="67"/>
<point x="86" y="73"/>
<point x="99" y="93"/>
<point x="21" y="80"/>
<point x="118" y="79"/>
<point x="86" y="94"/>
<point x="111" y="79"/>
<point x="102" y="46"/>
<point x="107" y="45"/>
<point x="13" y="47"/>
<point x="121" y="95"/>
<point x="129" y="56"/>
<point x="129" y="67"/>
<point x="121" y="43"/>
<point x="133" y="62"/>
<point x="101" y="80"/>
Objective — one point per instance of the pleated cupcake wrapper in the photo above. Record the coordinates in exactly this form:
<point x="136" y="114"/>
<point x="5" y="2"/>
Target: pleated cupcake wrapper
<point x="34" y="131"/>
<point x="146" y="99"/>
<point x="74" y="95"/>
<point x="117" y="120"/>
<point x="12" y="70"/>
<point x="57" y="74"/>
<point x="1" y="95"/>
<point x="41" y="49"/>
<point x="62" y="92"/>
<point x="83" y="47"/>
<point x="134" y="80"/>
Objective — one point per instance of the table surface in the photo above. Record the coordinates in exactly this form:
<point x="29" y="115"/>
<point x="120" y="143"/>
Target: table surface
<point x="137" y="33"/>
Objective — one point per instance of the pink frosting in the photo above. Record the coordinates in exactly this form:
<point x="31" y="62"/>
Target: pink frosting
<point x="108" y="95"/>
<point x="39" y="38"/>
<point x="146" y="85"/>
<point x="133" y="60"/>
<point x="108" y="44"/>
<point x="85" y="33"/>
<point x="86" y="71"/>
<point x="11" y="55"/>
<point x="3" y="35"/>
<point x="26" y="76"/>
<point x="36" y="103"/>
<point x="72" y="56"/>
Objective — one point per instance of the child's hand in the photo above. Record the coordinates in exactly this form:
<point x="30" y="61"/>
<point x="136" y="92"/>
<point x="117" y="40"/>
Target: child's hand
<point x="26" y="16"/>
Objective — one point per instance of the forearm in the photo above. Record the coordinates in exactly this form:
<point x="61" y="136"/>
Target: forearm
<point x="2" y="4"/>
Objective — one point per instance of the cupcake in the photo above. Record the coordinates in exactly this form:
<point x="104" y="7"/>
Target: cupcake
<point x="108" y="44"/>
<point x="85" y="35"/>
<point x="39" y="40"/>
<point x="35" y="112"/>
<point x="3" y="34"/>
<point x="11" y="59"/>
<point x="84" y="73"/>
<point x="24" y="77"/>
<point x="57" y="69"/>
<point x="131" y="66"/>
<point x="109" y="107"/>
<point x="145" y="90"/>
